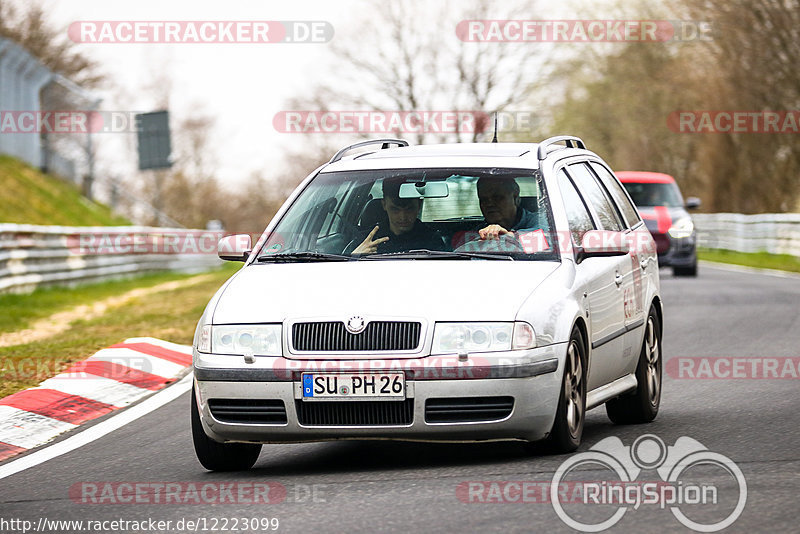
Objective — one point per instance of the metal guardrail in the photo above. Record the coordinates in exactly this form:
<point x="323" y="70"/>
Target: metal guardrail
<point x="32" y="256"/>
<point x="776" y="233"/>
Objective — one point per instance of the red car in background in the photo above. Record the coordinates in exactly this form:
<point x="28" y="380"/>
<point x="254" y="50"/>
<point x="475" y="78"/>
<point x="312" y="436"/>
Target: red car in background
<point x="661" y="205"/>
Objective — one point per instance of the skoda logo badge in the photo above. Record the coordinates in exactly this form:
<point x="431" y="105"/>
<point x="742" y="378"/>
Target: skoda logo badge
<point x="356" y="325"/>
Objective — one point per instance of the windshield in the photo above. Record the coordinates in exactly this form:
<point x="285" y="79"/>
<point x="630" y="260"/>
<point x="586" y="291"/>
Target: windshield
<point x="650" y="194"/>
<point x="416" y="213"/>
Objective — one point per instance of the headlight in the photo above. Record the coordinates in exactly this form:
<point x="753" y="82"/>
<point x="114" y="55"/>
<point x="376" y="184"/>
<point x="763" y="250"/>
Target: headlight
<point x="682" y="228"/>
<point x="449" y="338"/>
<point x="260" y="340"/>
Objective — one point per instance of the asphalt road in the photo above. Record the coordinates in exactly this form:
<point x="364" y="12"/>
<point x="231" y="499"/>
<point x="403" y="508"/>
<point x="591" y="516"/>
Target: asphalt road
<point x="387" y="486"/>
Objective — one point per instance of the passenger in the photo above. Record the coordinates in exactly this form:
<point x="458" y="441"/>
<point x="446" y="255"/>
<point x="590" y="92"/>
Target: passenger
<point x="402" y="229"/>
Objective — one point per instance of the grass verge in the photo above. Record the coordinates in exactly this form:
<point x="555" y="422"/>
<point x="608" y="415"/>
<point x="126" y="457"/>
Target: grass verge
<point x="22" y="309"/>
<point x="31" y="197"/>
<point x="761" y="260"/>
<point x="171" y="316"/>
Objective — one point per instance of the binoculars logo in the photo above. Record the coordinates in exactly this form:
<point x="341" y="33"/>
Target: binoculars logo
<point x="648" y="452"/>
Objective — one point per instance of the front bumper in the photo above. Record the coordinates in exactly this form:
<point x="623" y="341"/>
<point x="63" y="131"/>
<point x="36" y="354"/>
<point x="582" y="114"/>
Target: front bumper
<point x="532" y="378"/>
<point x="676" y="252"/>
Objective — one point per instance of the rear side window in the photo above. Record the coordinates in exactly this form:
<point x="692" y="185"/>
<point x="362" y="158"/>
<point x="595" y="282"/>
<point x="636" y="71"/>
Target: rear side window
<point x="616" y="191"/>
<point x="596" y="196"/>
<point x="580" y="221"/>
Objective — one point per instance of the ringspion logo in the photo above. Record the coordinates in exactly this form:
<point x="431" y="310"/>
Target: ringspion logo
<point x="692" y="478"/>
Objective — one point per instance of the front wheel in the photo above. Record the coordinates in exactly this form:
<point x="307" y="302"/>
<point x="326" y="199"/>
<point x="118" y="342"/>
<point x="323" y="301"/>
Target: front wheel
<point x="642" y="405"/>
<point x="217" y="456"/>
<point x="567" y="430"/>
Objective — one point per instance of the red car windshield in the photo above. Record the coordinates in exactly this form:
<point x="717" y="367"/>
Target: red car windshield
<point x="654" y="194"/>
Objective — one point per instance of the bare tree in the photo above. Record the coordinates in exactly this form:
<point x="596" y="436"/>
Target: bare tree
<point x="620" y="102"/>
<point x="408" y="58"/>
<point x="755" y="48"/>
<point x="31" y="30"/>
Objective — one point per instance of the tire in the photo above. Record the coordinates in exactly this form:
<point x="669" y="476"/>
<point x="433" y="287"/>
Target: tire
<point x="565" y="436"/>
<point x="685" y="271"/>
<point x="216" y="456"/>
<point x="642" y="405"/>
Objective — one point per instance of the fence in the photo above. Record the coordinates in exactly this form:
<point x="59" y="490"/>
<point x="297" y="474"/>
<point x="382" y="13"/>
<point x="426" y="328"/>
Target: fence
<point x="33" y="256"/>
<point x="27" y="85"/>
<point x="776" y="233"/>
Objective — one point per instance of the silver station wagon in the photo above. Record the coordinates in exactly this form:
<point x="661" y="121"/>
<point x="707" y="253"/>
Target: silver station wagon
<point x="460" y="292"/>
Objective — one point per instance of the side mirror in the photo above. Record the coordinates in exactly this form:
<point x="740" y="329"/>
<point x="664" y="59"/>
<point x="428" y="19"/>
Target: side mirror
<point x="235" y="247"/>
<point x="692" y="203"/>
<point x="602" y="244"/>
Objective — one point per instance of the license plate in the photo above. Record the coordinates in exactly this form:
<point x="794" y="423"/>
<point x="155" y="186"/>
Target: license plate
<point x="328" y="386"/>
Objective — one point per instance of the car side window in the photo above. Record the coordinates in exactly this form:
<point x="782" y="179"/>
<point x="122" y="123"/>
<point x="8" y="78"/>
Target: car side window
<point x="617" y="192"/>
<point x="597" y="197"/>
<point x="580" y="221"/>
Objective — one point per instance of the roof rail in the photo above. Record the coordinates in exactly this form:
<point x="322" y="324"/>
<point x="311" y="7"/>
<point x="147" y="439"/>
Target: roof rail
<point x="571" y="142"/>
<point x="383" y="142"/>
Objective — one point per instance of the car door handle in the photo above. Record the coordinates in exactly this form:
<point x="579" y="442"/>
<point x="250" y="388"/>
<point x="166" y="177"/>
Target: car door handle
<point x="618" y="279"/>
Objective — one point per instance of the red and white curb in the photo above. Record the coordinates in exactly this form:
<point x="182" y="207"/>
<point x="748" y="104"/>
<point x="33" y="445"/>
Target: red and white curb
<point x="111" y="379"/>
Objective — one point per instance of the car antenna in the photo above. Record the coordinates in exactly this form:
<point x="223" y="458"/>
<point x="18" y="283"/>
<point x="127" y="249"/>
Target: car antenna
<point x="494" y="139"/>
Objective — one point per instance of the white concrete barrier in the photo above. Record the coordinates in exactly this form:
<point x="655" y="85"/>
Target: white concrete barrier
<point x="776" y="233"/>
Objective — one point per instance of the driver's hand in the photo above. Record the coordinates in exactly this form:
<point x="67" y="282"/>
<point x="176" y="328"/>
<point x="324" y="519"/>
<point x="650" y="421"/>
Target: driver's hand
<point x="494" y="231"/>
<point x="368" y="246"/>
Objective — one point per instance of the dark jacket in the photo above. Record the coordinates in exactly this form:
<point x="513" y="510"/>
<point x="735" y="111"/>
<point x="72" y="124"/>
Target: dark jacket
<point x="420" y="236"/>
<point x="526" y="220"/>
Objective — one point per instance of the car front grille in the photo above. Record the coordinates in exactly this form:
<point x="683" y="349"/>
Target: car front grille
<point x="355" y="413"/>
<point x="377" y="336"/>
<point x="248" y="411"/>
<point x="468" y="409"/>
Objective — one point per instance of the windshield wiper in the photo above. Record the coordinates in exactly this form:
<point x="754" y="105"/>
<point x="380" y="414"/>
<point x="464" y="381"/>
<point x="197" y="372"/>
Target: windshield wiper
<point x="301" y="256"/>
<point x="436" y="254"/>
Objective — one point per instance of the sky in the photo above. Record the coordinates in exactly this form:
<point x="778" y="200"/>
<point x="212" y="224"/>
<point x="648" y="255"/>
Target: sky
<point x="242" y="85"/>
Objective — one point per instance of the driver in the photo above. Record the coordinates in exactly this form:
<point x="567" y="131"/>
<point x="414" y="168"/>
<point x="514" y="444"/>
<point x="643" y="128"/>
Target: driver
<point x="401" y="230"/>
<point x="500" y="205"/>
